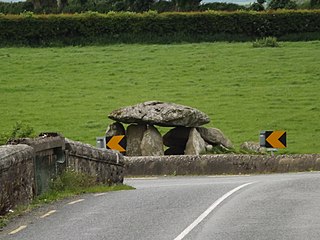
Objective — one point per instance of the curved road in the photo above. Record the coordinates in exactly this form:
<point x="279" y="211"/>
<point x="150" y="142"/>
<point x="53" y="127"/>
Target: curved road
<point x="278" y="206"/>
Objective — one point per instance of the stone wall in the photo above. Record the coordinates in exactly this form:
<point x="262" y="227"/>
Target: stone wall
<point x="28" y="165"/>
<point x="220" y="164"/>
<point x="17" y="185"/>
<point x="106" y="165"/>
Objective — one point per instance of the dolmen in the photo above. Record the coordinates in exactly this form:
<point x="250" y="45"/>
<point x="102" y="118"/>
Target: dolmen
<point x="186" y="136"/>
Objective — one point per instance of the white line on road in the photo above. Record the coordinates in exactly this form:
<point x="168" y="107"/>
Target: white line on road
<point x="142" y="178"/>
<point x="17" y="230"/>
<point x="208" y="211"/>
<point x="99" y="194"/>
<point x="48" y="213"/>
<point x="76" y="201"/>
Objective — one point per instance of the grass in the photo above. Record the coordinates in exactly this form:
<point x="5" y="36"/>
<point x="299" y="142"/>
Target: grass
<point x="67" y="185"/>
<point x="243" y="89"/>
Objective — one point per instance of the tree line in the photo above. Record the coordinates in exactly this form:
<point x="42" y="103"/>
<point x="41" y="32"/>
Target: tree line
<point x="104" y="6"/>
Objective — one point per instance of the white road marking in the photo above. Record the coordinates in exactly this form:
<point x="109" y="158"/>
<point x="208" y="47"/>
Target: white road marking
<point x="208" y="211"/>
<point x="17" y="230"/>
<point x="99" y="194"/>
<point x="76" y="201"/>
<point x="48" y="213"/>
<point x="142" y="178"/>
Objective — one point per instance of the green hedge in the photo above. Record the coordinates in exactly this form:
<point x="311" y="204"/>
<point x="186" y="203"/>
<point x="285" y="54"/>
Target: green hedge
<point x="95" y="28"/>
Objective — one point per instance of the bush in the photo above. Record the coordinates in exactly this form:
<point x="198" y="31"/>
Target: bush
<point x="315" y="4"/>
<point x="266" y="42"/>
<point x="72" y="181"/>
<point x="19" y="130"/>
<point x="221" y="6"/>
<point x="282" y="4"/>
<point x="126" y="27"/>
<point x="15" y="7"/>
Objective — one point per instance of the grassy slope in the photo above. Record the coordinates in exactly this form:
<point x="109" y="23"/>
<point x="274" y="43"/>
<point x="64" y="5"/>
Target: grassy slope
<point x="242" y="89"/>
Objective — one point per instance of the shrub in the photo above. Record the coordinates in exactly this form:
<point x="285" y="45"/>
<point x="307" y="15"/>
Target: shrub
<point x="19" y="130"/>
<point x="72" y="181"/>
<point x="126" y="27"/>
<point x="282" y="4"/>
<point x="221" y="6"/>
<point x="266" y="42"/>
<point x="315" y="4"/>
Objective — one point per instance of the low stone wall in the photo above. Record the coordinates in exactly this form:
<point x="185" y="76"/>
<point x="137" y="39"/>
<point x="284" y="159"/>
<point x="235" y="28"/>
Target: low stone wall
<point x="17" y="185"/>
<point x="220" y="164"/>
<point x="106" y="165"/>
<point x="28" y="165"/>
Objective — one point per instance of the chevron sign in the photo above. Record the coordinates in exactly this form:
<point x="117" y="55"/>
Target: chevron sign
<point x="273" y="139"/>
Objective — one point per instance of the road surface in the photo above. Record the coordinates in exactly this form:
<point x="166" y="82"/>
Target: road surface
<point x="277" y="206"/>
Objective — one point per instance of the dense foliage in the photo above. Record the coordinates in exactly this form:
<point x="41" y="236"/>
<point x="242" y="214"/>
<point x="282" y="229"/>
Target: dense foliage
<point x="104" y="6"/>
<point x="29" y="29"/>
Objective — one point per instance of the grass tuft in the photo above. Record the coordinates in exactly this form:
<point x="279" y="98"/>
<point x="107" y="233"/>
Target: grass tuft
<point x="266" y="42"/>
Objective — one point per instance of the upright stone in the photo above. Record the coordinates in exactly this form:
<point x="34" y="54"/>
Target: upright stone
<point x="176" y="137"/>
<point x="115" y="129"/>
<point x="214" y="136"/>
<point x="151" y="144"/>
<point x="134" y="138"/>
<point x="195" y="144"/>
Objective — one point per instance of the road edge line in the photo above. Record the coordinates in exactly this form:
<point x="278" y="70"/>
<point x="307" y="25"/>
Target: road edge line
<point x="209" y="210"/>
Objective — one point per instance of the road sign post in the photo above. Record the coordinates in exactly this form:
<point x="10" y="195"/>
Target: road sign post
<point x="273" y="140"/>
<point x="118" y="143"/>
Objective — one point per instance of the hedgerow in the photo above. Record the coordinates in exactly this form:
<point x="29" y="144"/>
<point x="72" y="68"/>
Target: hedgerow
<point x="92" y="28"/>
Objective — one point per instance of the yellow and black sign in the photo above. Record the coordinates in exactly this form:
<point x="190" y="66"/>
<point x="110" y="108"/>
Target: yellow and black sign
<point x="273" y="139"/>
<point x="117" y="143"/>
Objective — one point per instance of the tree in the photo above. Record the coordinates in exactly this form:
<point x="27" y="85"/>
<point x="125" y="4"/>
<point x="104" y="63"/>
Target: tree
<point x="315" y="3"/>
<point x="139" y="5"/>
<point x="280" y="4"/>
<point x="186" y="4"/>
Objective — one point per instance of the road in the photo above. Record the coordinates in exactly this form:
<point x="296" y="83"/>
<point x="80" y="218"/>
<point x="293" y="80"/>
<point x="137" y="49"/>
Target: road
<point x="277" y="206"/>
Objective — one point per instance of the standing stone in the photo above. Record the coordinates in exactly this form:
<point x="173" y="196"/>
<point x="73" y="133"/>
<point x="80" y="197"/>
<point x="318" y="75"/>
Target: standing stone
<point x="214" y="136"/>
<point x="115" y="129"/>
<point x="195" y="144"/>
<point x="161" y="114"/>
<point x="134" y="138"/>
<point x="176" y="137"/>
<point x="151" y="144"/>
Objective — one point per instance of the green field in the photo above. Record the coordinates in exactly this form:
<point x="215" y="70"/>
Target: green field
<point x="243" y="89"/>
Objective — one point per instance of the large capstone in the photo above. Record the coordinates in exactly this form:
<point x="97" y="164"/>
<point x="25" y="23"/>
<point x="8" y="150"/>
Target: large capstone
<point x="160" y="113"/>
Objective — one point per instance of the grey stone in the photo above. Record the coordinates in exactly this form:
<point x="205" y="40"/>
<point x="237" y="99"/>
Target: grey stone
<point x="115" y="129"/>
<point x="176" y="137"/>
<point x="160" y="113"/>
<point x="134" y="135"/>
<point x="195" y="145"/>
<point x="253" y="147"/>
<point x="151" y="144"/>
<point x="209" y="147"/>
<point x="214" y="136"/>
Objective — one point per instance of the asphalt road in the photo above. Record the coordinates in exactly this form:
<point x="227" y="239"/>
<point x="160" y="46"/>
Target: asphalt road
<point x="278" y="206"/>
